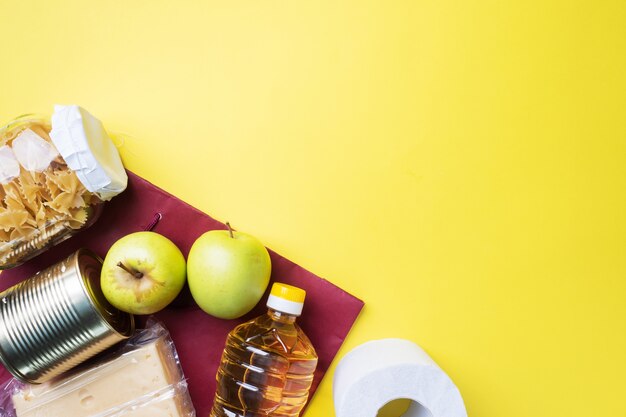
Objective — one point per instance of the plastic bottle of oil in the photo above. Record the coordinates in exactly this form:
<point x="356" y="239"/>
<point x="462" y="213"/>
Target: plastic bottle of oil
<point x="268" y="363"/>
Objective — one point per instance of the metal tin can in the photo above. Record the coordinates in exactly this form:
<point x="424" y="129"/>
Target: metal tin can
<point x="57" y="319"/>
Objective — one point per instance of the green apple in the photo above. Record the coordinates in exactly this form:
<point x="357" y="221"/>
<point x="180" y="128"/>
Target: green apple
<point x="228" y="272"/>
<point x="142" y="273"/>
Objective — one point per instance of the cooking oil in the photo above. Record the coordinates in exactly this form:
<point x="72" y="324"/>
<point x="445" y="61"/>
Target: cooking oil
<point x="268" y="363"/>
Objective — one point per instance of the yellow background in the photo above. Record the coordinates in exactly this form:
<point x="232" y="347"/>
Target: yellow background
<point x="459" y="165"/>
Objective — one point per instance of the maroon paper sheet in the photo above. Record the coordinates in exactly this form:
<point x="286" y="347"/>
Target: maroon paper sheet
<point x="328" y="315"/>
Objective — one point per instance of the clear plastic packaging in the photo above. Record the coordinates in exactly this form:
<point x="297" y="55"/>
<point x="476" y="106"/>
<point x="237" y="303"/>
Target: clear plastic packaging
<point x="142" y="379"/>
<point x="44" y="198"/>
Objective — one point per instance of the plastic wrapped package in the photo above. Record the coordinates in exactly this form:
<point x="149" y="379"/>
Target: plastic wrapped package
<point x="53" y="178"/>
<point x="142" y="379"/>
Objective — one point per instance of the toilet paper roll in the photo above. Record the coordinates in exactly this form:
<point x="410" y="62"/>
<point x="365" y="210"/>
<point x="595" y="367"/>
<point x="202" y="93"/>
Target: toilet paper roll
<point x="380" y="371"/>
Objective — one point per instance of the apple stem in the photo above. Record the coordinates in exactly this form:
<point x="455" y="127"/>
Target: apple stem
<point x="134" y="273"/>
<point x="230" y="230"/>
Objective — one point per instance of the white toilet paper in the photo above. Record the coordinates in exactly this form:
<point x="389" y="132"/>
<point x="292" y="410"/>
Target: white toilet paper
<point x="377" y="372"/>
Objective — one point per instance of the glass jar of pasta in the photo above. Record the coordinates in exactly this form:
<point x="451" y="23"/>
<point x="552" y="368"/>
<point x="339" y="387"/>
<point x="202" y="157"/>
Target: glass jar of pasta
<point x="46" y="195"/>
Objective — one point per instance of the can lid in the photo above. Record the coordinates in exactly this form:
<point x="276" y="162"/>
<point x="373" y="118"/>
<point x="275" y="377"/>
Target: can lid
<point x="90" y="265"/>
<point x="286" y="298"/>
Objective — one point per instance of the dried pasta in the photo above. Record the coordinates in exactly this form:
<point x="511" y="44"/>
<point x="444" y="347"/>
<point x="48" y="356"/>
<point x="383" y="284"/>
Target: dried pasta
<point x="38" y="207"/>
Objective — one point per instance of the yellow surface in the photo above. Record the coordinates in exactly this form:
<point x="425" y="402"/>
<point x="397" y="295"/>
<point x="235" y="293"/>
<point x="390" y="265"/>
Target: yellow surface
<point x="461" y="166"/>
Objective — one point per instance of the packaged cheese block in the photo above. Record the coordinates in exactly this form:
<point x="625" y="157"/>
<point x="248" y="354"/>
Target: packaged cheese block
<point x="143" y="380"/>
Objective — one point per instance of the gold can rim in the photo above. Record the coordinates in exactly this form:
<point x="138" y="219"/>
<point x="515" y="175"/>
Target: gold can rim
<point x="87" y="263"/>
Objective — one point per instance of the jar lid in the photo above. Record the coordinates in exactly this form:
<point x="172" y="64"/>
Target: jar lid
<point x="88" y="150"/>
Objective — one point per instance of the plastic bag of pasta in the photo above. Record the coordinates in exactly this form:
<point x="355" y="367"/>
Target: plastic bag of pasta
<point x="54" y="175"/>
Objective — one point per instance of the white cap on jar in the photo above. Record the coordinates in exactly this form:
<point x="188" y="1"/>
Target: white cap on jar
<point x="88" y="150"/>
